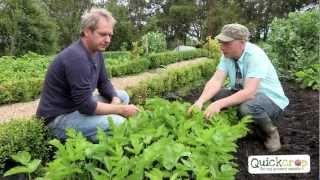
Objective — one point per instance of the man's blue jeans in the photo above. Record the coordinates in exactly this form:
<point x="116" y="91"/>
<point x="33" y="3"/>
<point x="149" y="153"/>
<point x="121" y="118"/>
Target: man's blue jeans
<point x="86" y="124"/>
<point x="260" y="108"/>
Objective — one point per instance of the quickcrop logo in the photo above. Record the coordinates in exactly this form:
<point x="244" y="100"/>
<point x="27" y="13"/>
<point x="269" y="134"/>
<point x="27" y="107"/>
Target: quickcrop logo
<point x="274" y="164"/>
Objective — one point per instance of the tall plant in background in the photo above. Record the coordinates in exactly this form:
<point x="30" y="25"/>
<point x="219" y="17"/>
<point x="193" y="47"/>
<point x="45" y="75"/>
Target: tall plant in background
<point x="25" y="26"/>
<point x="294" y="42"/>
<point x="213" y="47"/>
<point x="154" y="42"/>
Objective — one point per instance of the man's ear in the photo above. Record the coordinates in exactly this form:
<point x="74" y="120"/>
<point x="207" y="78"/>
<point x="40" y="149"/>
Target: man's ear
<point x="87" y="31"/>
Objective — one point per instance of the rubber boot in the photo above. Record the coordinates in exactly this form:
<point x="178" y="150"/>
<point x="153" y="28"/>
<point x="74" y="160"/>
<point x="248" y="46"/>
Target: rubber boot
<point x="272" y="142"/>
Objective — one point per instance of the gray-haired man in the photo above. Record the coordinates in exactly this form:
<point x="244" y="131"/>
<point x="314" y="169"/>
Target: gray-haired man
<point x="254" y="84"/>
<point x="67" y="100"/>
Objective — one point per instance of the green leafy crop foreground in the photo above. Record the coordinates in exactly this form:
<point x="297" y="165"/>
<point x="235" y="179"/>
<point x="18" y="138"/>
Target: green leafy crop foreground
<point x="162" y="141"/>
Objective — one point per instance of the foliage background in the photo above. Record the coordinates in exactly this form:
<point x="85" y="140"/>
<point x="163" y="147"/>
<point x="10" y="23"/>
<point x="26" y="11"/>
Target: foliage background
<point x="48" y="26"/>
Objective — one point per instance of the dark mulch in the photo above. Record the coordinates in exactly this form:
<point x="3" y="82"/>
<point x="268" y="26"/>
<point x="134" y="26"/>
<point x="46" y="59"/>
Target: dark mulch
<point x="299" y="131"/>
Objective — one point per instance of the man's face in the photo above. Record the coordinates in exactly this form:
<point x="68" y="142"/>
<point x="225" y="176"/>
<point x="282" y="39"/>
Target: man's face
<point x="100" y="38"/>
<point x="232" y="49"/>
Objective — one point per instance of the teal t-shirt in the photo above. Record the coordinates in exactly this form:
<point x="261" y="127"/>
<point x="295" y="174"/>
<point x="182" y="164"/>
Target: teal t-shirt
<point x="254" y="63"/>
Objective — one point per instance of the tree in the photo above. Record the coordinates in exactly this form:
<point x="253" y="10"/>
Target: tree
<point x="260" y="13"/>
<point x="25" y="26"/>
<point x="67" y="15"/>
<point x="176" y="19"/>
<point x="124" y="32"/>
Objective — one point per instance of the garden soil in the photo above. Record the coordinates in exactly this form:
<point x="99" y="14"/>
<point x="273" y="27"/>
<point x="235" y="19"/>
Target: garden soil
<point x="299" y="131"/>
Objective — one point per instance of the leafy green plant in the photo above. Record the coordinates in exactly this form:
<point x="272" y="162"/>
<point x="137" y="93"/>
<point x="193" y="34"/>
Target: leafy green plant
<point x="154" y="42"/>
<point x="27" y="166"/>
<point x="21" y="77"/>
<point x="213" y="47"/>
<point x="309" y="77"/>
<point x="137" y="50"/>
<point x="162" y="141"/>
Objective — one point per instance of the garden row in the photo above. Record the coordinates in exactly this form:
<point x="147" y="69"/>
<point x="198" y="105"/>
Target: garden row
<point x="21" y="78"/>
<point x="153" y="144"/>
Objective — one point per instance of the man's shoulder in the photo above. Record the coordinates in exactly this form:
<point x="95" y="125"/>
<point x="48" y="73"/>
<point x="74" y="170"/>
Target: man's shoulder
<point x="74" y="49"/>
<point x="72" y="53"/>
<point x="253" y="49"/>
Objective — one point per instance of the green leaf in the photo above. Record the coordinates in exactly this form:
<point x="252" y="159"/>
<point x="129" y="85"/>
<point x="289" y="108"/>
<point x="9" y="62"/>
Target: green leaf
<point x="22" y="157"/>
<point x="155" y="174"/>
<point x="33" y="165"/>
<point x="17" y="170"/>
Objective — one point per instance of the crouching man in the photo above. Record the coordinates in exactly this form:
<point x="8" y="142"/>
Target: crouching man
<point x="67" y="99"/>
<point x="254" y="84"/>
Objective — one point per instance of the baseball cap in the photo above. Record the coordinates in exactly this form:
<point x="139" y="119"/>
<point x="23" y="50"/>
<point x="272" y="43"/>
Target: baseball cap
<point x="232" y="32"/>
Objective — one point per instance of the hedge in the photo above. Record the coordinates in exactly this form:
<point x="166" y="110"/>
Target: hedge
<point x="21" y="78"/>
<point x="116" y="54"/>
<point x="165" y="58"/>
<point x="23" y="135"/>
<point x="129" y="67"/>
<point x="172" y="80"/>
<point x="153" y="61"/>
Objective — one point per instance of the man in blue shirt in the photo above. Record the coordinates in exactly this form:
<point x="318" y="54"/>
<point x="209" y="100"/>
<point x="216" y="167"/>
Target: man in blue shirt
<point x="67" y="99"/>
<point x="254" y="84"/>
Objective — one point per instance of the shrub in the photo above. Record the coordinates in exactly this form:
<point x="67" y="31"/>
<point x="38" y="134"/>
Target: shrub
<point x="294" y="42"/>
<point x="23" y="135"/>
<point x="213" y="47"/>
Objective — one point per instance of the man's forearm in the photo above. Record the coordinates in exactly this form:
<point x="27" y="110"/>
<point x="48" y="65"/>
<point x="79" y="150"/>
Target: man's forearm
<point x="209" y="91"/>
<point x="105" y="108"/>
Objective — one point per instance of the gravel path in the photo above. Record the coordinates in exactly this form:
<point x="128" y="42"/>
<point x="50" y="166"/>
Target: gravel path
<point x="27" y="109"/>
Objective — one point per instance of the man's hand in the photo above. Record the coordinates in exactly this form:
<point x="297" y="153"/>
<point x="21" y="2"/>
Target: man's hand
<point x="116" y="100"/>
<point x="129" y="110"/>
<point x="213" y="108"/>
<point x="197" y="104"/>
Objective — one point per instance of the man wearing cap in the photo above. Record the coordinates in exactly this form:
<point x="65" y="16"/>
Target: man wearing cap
<point x="254" y="84"/>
